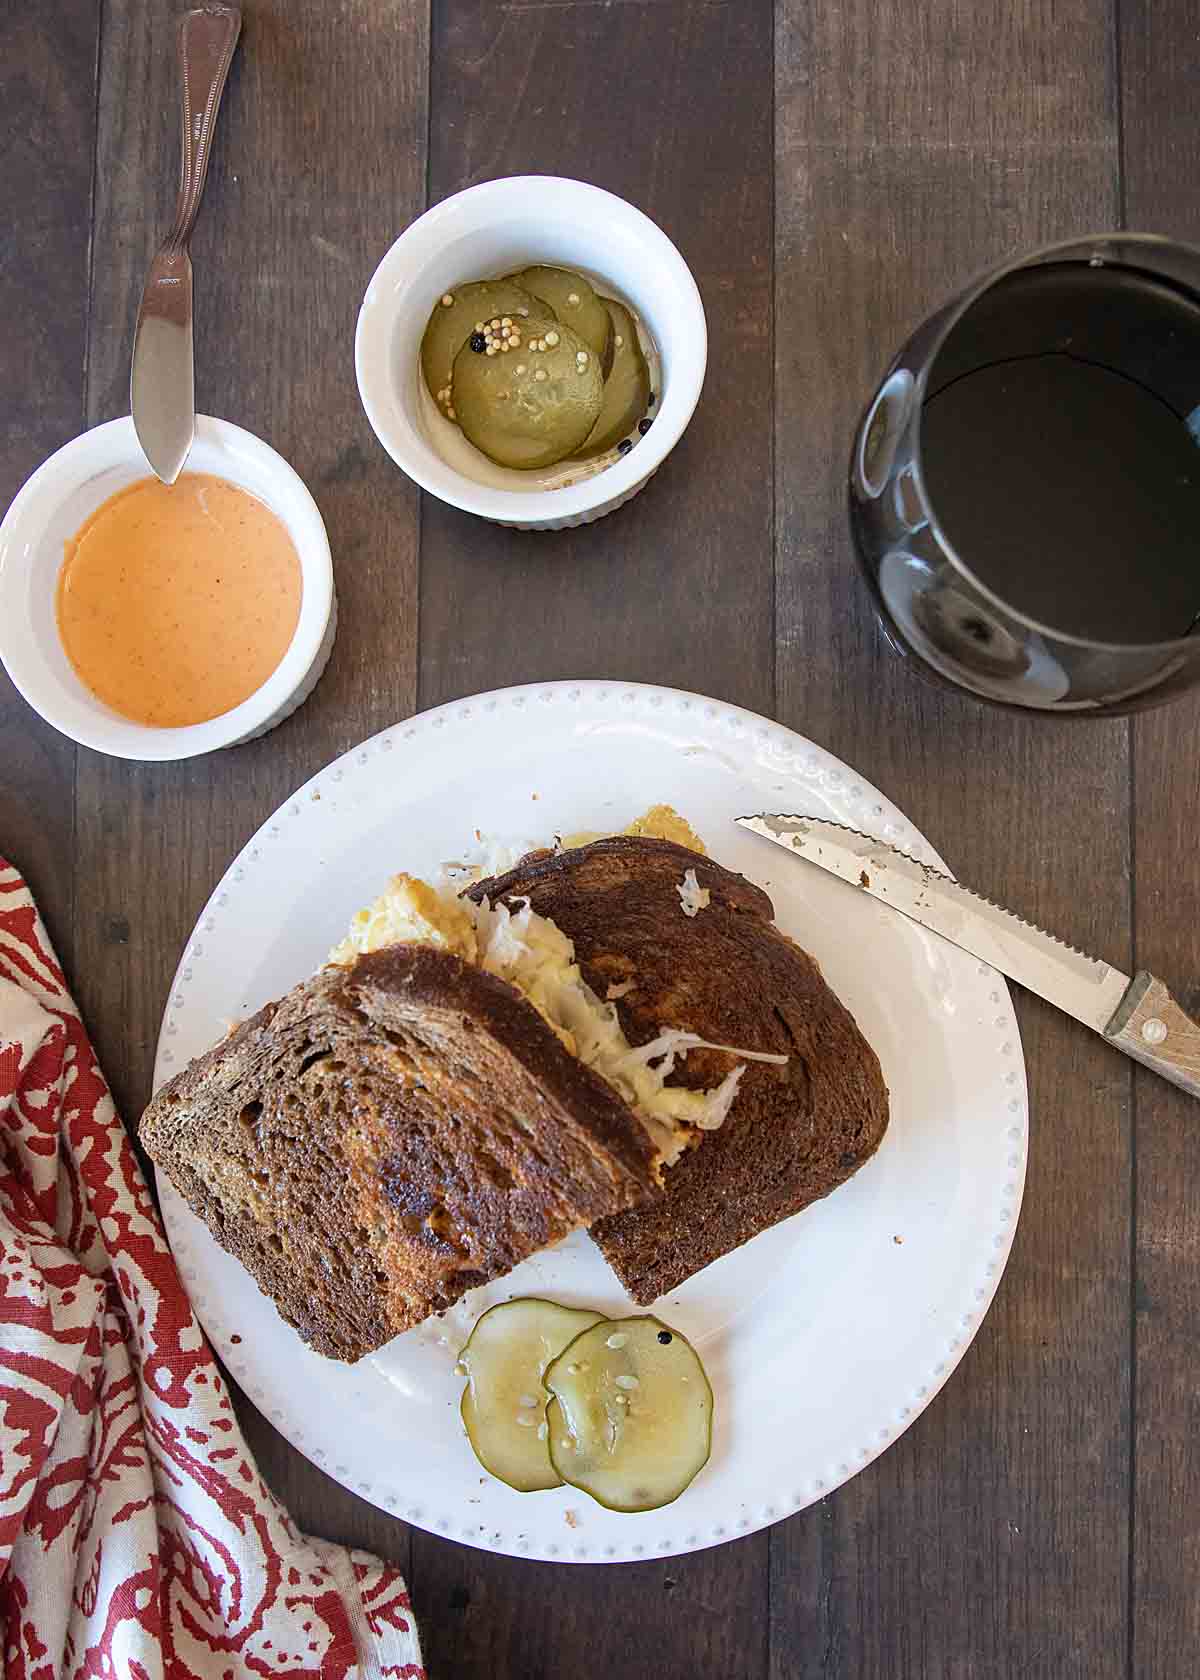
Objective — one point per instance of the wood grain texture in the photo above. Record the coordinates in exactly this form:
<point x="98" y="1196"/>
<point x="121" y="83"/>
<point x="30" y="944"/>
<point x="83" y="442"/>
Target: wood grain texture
<point x="1152" y="1028"/>
<point x="1160" y="75"/>
<point x="914" y="146"/>
<point x="319" y="160"/>
<point x="47" y="140"/>
<point x="669" y="106"/>
<point x="503" y="1619"/>
<point x="1019" y="1528"/>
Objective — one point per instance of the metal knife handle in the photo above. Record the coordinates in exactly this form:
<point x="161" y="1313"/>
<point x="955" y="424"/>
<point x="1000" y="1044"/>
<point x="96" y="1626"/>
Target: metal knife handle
<point x="207" y="39"/>
<point x="1151" y="1027"/>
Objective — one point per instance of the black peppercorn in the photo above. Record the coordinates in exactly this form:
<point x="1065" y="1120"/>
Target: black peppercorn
<point x="478" y="343"/>
<point x="644" y="426"/>
<point x="625" y="445"/>
<point x="650" y="400"/>
<point x="664" y="1337"/>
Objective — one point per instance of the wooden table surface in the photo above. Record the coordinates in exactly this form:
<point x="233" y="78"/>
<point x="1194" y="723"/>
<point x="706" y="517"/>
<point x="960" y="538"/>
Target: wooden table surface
<point x="830" y="171"/>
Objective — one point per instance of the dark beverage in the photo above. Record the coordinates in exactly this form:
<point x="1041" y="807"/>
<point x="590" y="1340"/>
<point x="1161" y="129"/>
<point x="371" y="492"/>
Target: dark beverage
<point x="1025" y="481"/>
<point x="1056" y="452"/>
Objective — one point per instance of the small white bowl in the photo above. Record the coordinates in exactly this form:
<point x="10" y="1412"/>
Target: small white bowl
<point x="493" y="229"/>
<point x="47" y="512"/>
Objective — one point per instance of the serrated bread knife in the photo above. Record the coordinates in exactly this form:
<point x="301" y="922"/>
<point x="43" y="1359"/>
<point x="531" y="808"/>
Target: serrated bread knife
<point x="1138" y="1015"/>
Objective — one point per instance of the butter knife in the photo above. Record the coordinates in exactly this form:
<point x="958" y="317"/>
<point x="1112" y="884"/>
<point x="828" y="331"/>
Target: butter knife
<point x="1138" y="1015"/>
<point x="162" y="395"/>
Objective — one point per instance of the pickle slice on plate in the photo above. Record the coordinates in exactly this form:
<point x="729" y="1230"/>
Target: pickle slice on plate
<point x="451" y="325"/>
<point x="630" y="1418"/>
<point x="528" y="405"/>
<point x="574" y="301"/>
<point x="626" y="389"/>
<point x="504" y="1402"/>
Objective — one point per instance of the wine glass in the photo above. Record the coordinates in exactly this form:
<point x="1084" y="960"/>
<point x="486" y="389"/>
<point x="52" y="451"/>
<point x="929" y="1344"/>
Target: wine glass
<point x="1025" y="481"/>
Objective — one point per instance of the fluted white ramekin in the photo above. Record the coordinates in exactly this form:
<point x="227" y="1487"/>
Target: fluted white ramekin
<point x="47" y="512"/>
<point x="494" y="229"/>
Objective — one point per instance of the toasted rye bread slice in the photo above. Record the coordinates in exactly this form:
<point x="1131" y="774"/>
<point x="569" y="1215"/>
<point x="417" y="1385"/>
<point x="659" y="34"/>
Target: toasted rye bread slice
<point x="388" y="1136"/>
<point x="794" y="1133"/>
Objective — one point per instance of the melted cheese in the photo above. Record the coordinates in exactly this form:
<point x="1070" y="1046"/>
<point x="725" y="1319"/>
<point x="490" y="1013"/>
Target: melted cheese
<point x="535" y="956"/>
<point x="660" y="822"/>
<point x="410" y="912"/>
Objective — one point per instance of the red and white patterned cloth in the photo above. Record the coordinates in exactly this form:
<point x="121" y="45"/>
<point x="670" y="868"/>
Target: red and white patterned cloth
<point x="137" y="1540"/>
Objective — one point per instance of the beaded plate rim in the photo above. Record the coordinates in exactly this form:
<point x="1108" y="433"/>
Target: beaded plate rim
<point x="862" y="806"/>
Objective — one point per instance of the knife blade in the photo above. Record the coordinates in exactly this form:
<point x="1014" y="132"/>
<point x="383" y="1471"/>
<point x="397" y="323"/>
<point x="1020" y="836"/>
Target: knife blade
<point x="1136" y="1014"/>
<point x="162" y="391"/>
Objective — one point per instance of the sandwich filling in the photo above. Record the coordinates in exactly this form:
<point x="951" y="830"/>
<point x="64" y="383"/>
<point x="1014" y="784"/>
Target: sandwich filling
<point x="536" y="957"/>
<point x="692" y="895"/>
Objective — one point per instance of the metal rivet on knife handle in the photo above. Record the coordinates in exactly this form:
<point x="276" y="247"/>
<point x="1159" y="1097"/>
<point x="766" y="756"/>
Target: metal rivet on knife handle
<point x="1151" y="1027"/>
<point x="1138" y="1015"/>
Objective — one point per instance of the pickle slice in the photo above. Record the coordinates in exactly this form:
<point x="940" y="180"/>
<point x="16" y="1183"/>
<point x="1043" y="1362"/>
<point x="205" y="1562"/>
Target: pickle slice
<point x="626" y="390"/>
<point x="630" y="1415"/>
<point x="530" y="405"/>
<point x="451" y="325"/>
<point x="504" y="1403"/>
<point x="573" y="300"/>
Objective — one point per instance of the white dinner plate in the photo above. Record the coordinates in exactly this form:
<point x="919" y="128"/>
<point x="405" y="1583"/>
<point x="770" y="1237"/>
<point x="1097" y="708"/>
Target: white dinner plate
<point x="836" y="1327"/>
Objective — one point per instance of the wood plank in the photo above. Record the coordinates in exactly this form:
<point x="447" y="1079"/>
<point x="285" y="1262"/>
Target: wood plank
<point x="501" y="1617"/>
<point x="669" y="106"/>
<point x="1160" y="73"/>
<point x="913" y="146"/>
<point x="675" y="587"/>
<point x="47" y="145"/>
<point x="319" y="160"/>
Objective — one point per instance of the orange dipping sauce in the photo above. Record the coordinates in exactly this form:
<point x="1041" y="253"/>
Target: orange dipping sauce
<point x="176" y="602"/>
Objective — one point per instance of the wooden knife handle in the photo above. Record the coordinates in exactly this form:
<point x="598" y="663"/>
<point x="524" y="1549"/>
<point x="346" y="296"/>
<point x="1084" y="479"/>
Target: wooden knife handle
<point x="208" y="36"/>
<point x="1151" y="1027"/>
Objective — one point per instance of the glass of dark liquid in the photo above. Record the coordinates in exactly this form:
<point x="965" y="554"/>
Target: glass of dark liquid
<point x="1025" y="483"/>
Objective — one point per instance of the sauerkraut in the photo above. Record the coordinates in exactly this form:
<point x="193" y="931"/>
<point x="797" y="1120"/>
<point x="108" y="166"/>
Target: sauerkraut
<point x="692" y="896"/>
<point x="535" y="956"/>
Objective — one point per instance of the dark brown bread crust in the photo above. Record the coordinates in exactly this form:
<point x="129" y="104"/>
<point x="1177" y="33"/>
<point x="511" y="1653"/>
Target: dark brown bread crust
<point x="388" y="1136"/>
<point x="794" y="1133"/>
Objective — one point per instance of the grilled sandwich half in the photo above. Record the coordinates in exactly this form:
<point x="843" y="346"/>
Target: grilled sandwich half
<point x="673" y="939"/>
<point x="445" y="1097"/>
